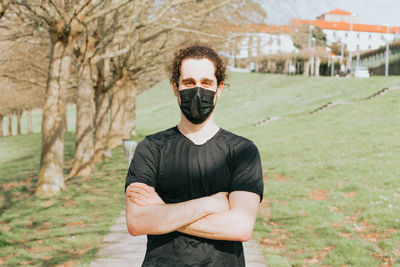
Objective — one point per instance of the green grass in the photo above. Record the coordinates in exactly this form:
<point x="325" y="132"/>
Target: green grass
<point x="67" y="229"/>
<point x="332" y="191"/>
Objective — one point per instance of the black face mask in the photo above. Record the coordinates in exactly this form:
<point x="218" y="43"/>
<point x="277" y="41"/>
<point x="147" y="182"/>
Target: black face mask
<point x="197" y="104"/>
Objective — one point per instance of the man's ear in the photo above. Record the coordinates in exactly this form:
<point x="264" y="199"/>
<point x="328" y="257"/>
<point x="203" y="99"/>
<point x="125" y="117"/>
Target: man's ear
<point x="175" y="88"/>
<point x="220" y="88"/>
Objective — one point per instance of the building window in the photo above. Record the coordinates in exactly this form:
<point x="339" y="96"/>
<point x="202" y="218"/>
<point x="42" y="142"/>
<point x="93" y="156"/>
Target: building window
<point x="334" y="35"/>
<point x="370" y="36"/>
<point x="358" y="47"/>
<point x="346" y="35"/>
<point x="382" y="37"/>
<point x="358" y="36"/>
<point x="369" y="47"/>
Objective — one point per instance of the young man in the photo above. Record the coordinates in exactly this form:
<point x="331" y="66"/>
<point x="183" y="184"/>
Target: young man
<point x="194" y="189"/>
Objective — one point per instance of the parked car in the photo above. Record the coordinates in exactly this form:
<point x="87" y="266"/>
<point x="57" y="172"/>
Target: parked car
<point x="361" y="72"/>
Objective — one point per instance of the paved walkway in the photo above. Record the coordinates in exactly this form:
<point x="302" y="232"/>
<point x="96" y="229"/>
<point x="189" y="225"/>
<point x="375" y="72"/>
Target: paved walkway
<point x="121" y="249"/>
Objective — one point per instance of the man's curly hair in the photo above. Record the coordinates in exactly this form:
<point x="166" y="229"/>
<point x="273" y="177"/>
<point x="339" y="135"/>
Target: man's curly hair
<point x="197" y="52"/>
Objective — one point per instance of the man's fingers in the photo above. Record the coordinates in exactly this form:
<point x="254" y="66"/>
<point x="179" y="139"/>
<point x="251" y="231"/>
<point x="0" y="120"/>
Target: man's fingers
<point x="143" y="186"/>
<point x="137" y="201"/>
<point x="138" y="189"/>
<point x="137" y="192"/>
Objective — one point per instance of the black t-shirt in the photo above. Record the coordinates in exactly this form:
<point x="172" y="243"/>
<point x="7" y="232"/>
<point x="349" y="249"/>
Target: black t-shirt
<point x="180" y="170"/>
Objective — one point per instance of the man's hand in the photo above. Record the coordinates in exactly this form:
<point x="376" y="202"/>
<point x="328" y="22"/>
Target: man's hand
<point x="142" y="194"/>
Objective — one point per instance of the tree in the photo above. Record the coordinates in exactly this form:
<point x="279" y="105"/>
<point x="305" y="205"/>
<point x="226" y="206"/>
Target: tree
<point x="109" y="51"/>
<point x="337" y="49"/>
<point x="300" y="36"/>
<point x="64" y="22"/>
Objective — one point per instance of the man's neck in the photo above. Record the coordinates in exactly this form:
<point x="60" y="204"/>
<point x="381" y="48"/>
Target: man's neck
<point x="198" y="133"/>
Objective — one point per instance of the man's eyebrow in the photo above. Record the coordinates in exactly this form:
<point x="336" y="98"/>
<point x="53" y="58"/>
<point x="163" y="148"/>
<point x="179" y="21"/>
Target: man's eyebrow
<point x="188" y="80"/>
<point x="207" y="80"/>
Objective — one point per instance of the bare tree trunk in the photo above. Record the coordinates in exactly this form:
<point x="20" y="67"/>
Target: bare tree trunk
<point x="273" y="67"/>
<point x="29" y="120"/>
<point x="317" y="64"/>
<point x="129" y="123"/>
<point x="19" y="115"/>
<point x="117" y="114"/>
<point x="102" y="100"/>
<point x="10" y="116"/>
<point x="101" y="149"/>
<point x="1" y="125"/>
<point x="286" y="68"/>
<point x="84" y="147"/>
<point x="306" y="68"/>
<point x="312" y="65"/>
<point x="51" y="178"/>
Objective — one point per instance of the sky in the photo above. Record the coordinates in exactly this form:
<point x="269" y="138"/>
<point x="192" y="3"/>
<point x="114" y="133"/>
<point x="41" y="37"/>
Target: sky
<point x="377" y="12"/>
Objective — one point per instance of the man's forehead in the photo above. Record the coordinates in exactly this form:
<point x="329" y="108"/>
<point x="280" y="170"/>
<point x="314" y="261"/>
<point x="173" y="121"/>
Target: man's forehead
<point x="197" y="69"/>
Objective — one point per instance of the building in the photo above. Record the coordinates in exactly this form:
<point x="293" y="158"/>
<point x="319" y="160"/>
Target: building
<point x="261" y="40"/>
<point x="339" y="15"/>
<point x="256" y="41"/>
<point x="342" y="27"/>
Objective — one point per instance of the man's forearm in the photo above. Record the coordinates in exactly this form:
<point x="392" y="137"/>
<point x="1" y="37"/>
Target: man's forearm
<point x="235" y="224"/>
<point x="231" y="225"/>
<point x="159" y="219"/>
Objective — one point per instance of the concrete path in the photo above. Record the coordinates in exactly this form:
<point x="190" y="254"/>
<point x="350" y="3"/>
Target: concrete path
<point x="121" y="249"/>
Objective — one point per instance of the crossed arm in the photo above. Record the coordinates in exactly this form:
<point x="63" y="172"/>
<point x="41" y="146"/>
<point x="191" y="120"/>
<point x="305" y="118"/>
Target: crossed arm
<point x="218" y="216"/>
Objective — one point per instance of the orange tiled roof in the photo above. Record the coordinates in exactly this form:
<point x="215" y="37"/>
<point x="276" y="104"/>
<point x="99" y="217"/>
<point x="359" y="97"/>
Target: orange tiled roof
<point x="344" y="26"/>
<point x="338" y="11"/>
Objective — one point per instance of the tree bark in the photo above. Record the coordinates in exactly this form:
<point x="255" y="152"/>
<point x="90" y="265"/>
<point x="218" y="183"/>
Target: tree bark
<point x="102" y="100"/>
<point x="129" y="123"/>
<point x="312" y="65"/>
<point x="10" y="116"/>
<point x="101" y="149"/>
<point x="306" y="68"/>
<point x="117" y="114"/>
<point x="84" y="147"/>
<point x="19" y="115"/>
<point x="51" y="178"/>
<point x="317" y="64"/>
<point x="1" y="125"/>
<point x="29" y="121"/>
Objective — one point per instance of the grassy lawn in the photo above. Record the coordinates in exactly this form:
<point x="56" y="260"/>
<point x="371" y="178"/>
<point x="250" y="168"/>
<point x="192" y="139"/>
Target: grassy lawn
<point x="66" y="230"/>
<point x="332" y="193"/>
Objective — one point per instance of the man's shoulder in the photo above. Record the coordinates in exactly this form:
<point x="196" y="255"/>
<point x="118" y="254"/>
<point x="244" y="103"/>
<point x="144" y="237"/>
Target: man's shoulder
<point x="235" y="140"/>
<point x="161" y="137"/>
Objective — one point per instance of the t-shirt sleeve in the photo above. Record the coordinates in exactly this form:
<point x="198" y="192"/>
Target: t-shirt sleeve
<point x="143" y="166"/>
<point x="247" y="170"/>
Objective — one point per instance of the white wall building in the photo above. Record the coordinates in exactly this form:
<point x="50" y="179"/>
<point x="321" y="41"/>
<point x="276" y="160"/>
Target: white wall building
<point x="264" y="40"/>
<point x="338" y="25"/>
<point x="342" y="27"/>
